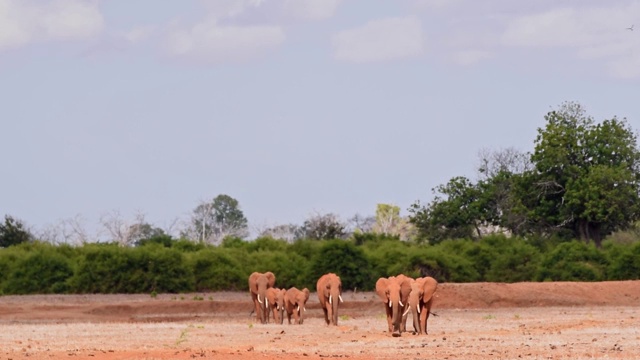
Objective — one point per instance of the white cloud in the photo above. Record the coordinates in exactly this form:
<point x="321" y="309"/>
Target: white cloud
<point x="311" y="9"/>
<point x="591" y="33"/>
<point x="380" y="40"/>
<point x="209" y="42"/>
<point x="627" y="67"/>
<point x="25" y="21"/>
<point x="470" y="57"/>
<point x="138" y="34"/>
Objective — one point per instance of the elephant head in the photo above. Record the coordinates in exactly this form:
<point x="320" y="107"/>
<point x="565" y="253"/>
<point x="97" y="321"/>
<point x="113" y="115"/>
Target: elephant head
<point x="329" y="289"/>
<point x="275" y="298"/>
<point x="294" y="303"/>
<point x="420" y="300"/>
<point x="258" y="285"/>
<point x="394" y="293"/>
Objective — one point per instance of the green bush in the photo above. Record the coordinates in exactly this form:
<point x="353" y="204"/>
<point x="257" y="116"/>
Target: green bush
<point x="443" y="266"/>
<point x="290" y="268"/>
<point x="346" y="260"/>
<point x="390" y="258"/>
<point x="572" y="261"/>
<point x="38" y="271"/>
<point x="107" y="268"/>
<point x="624" y="261"/>
<point x="505" y="259"/>
<point x="219" y="269"/>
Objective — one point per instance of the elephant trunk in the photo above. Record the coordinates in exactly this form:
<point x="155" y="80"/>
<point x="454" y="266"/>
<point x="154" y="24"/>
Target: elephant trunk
<point x="281" y="312"/>
<point x="300" y="310"/>
<point x="262" y="297"/>
<point x="396" y="316"/>
<point x="334" y="309"/>
<point x="416" y="317"/>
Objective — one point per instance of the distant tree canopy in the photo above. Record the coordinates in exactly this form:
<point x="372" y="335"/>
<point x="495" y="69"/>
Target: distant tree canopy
<point x="221" y="217"/>
<point x="583" y="181"/>
<point x="12" y="232"/>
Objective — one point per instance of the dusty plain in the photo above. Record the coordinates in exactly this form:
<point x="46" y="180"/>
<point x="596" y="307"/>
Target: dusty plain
<point x="474" y="321"/>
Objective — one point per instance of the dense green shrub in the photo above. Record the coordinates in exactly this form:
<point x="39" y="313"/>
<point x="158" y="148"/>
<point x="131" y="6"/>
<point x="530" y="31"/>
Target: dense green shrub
<point x="389" y="258"/>
<point x="39" y="271"/>
<point x="443" y="266"/>
<point x="624" y="261"/>
<point x="266" y="244"/>
<point x="182" y="266"/>
<point x="219" y="269"/>
<point x="107" y="268"/>
<point x="499" y="258"/>
<point x="572" y="261"/>
<point x="290" y="268"/>
<point x="346" y="260"/>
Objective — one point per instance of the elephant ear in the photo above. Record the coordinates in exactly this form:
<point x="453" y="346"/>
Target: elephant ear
<point x="253" y="278"/>
<point x="429" y="287"/>
<point x="306" y="293"/>
<point x="271" y="277"/>
<point x="381" y="288"/>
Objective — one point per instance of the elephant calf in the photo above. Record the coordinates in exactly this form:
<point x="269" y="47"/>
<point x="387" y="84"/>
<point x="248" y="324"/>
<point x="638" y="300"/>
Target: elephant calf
<point x="294" y="304"/>
<point x="275" y="300"/>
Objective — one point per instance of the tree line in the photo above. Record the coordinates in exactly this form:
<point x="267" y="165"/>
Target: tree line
<point x="568" y="210"/>
<point x="163" y="264"/>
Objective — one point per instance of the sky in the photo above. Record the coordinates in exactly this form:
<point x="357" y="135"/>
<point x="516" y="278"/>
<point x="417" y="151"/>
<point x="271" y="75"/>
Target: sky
<point x="293" y="107"/>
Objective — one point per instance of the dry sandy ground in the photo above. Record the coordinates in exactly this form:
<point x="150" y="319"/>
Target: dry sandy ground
<point x="475" y="321"/>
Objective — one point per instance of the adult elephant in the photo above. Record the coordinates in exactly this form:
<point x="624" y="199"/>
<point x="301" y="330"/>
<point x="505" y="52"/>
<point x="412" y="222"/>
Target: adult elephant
<point x="294" y="304"/>
<point x="420" y="301"/>
<point x="258" y="285"/>
<point x="329" y="288"/>
<point x="275" y="301"/>
<point x="394" y="293"/>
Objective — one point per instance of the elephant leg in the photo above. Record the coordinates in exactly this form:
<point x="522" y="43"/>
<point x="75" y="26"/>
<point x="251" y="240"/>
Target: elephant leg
<point x="389" y="317"/>
<point x="326" y="314"/>
<point x="257" y="308"/>
<point x="424" y="316"/>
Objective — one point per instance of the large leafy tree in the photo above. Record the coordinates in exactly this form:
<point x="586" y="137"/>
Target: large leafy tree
<point x="582" y="180"/>
<point x="221" y="217"/>
<point x="455" y="212"/>
<point x="586" y="176"/>
<point x="13" y="232"/>
<point x="324" y="226"/>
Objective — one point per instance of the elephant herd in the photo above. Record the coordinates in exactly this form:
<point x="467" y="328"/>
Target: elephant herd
<point x="400" y="294"/>
<point x="268" y="299"/>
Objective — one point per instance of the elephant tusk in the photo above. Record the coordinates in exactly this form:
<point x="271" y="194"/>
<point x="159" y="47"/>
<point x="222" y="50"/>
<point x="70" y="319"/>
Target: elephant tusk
<point x="330" y="301"/>
<point x="406" y="312"/>
<point x="304" y="308"/>
<point x="298" y="308"/>
<point x="260" y="301"/>
<point x="401" y="304"/>
<point x="390" y="304"/>
<point x="418" y="308"/>
<point x="340" y="297"/>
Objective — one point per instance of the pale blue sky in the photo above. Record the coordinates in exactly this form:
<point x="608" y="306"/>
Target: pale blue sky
<point x="290" y="106"/>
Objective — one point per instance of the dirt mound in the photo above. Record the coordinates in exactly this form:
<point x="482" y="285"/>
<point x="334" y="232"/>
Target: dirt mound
<point x="167" y="307"/>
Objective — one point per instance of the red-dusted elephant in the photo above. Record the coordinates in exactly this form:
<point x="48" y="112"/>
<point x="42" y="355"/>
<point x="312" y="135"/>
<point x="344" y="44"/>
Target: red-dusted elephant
<point x="420" y="301"/>
<point x="275" y="300"/>
<point x="329" y="288"/>
<point x="294" y="304"/>
<point x="394" y="293"/>
<point x="258" y="285"/>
